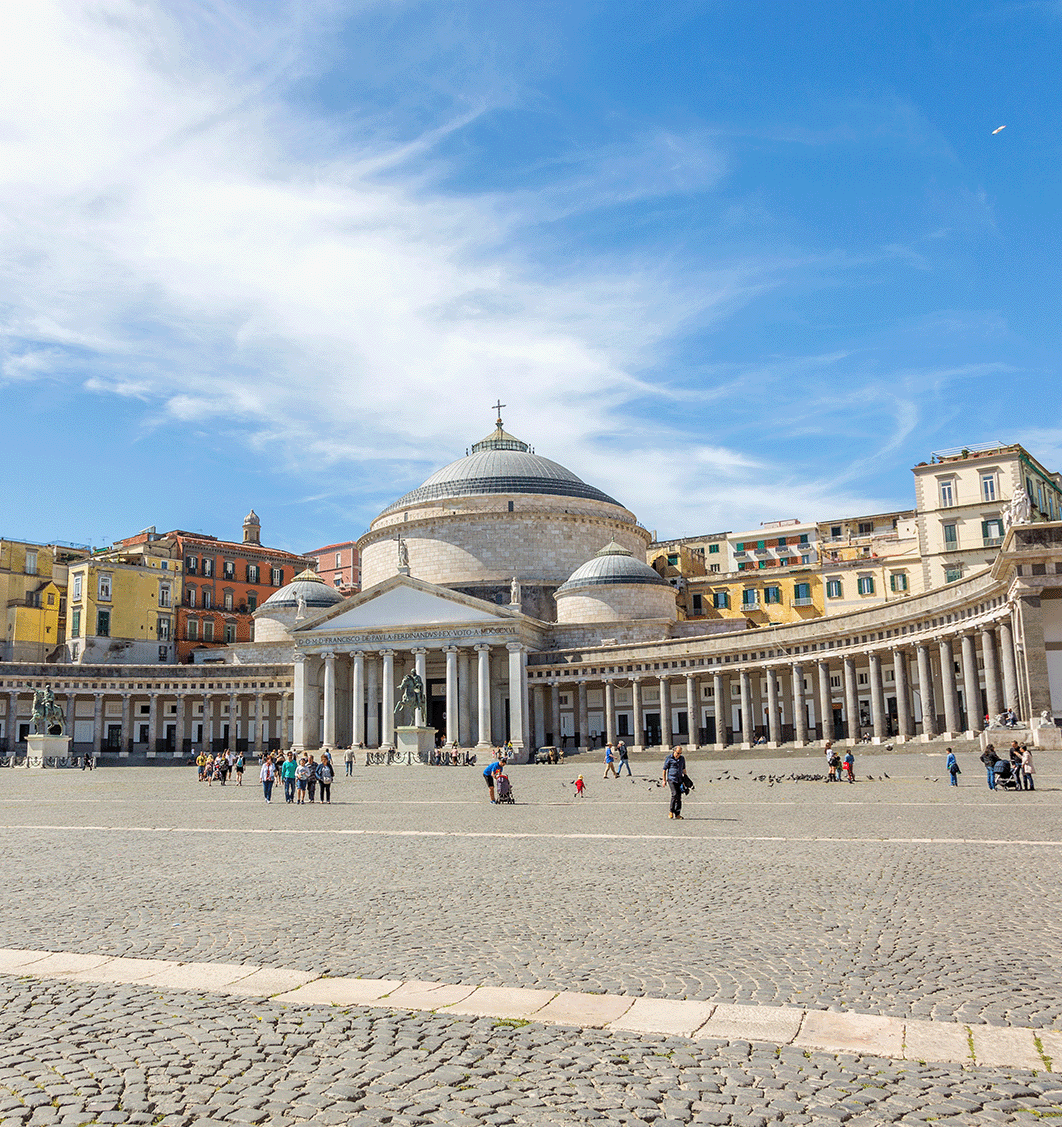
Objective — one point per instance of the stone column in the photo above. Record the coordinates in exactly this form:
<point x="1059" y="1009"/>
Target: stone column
<point x="665" y="712"/>
<point x="555" y="713"/>
<point x="464" y="701"/>
<point x="517" y="695"/>
<point x="774" y="728"/>
<point x="719" y="687"/>
<point x="540" y="715"/>
<point x="302" y="703"/>
<point x="947" y="680"/>
<point x="234" y="708"/>
<point x="420" y="667"/>
<point x="153" y="720"/>
<point x="583" y="716"/>
<point x="825" y="701"/>
<point x="693" y="713"/>
<point x="747" y="734"/>
<point x="387" y="698"/>
<point x="877" y="697"/>
<point x="904" y="726"/>
<point x="639" y="719"/>
<point x="483" y="695"/>
<point x="329" y="710"/>
<point x="610" y="713"/>
<point x="453" y="722"/>
<point x="285" y="736"/>
<point x="127" y="723"/>
<point x="971" y="685"/>
<point x="97" y="723"/>
<point x="372" y="702"/>
<point x="258" y="748"/>
<point x="925" y="689"/>
<point x="988" y="648"/>
<point x="204" y="743"/>
<point x="1010" y="668"/>
<point x="357" y="707"/>
<point x="178" y="735"/>
<point x="851" y="699"/>
<point x="71" y="698"/>
<point x="800" y="715"/>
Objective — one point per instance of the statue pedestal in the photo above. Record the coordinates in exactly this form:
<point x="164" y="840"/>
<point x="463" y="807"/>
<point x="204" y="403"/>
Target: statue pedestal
<point x="41" y="748"/>
<point x="415" y="743"/>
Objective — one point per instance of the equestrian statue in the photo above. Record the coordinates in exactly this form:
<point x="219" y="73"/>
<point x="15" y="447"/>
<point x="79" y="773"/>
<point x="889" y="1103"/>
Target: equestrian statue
<point x="410" y="698"/>
<point x="46" y="714"/>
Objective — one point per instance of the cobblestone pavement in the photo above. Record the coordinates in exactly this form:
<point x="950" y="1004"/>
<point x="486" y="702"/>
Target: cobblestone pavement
<point x="75" y="1055"/>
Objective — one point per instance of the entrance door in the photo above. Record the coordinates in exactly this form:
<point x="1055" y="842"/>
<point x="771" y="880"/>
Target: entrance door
<point x="652" y="729"/>
<point x="114" y="737"/>
<point x="437" y="707"/>
<point x="708" y="731"/>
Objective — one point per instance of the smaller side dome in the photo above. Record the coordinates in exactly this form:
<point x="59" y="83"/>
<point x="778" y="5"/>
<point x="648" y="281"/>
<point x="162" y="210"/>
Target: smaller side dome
<point x="614" y="564"/>
<point x="252" y="528"/>
<point x="315" y="593"/>
<point x="251" y="518"/>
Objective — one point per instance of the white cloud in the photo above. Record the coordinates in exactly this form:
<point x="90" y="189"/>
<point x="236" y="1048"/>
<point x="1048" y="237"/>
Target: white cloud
<point x="175" y="231"/>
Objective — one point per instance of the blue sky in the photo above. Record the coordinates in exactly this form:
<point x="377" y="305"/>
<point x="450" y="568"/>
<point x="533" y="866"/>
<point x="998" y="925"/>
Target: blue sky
<point x="731" y="262"/>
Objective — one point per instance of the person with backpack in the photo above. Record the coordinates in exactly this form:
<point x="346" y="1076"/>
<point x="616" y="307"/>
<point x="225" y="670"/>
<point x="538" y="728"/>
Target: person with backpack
<point x="325" y="775"/>
<point x="674" y="773"/>
<point x="953" y="768"/>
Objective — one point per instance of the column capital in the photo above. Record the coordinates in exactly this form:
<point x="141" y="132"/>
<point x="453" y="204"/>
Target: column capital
<point x="481" y="647"/>
<point x="451" y="649"/>
<point x="386" y="653"/>
<point x="419" y="650"/>
<point x="329" y="655"/>
<point x="515" y="647"/>
<point x="300" y="657"/>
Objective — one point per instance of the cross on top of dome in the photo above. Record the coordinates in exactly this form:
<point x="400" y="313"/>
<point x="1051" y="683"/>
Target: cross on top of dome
<point x="500" y="439"/>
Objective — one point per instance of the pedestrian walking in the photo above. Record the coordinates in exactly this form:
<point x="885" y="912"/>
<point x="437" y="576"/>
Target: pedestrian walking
<point x="324" y="780"/>
<point x="288" y="770"/>
<point x="953" y="768"/>
<point x="1027" y="771"/>
<point x="674" y="773"/>
<point x="302" y="776"/>
<point x="580" y="788"/>
<point x="624" y="761"/>
<point x="610" y="765"/>
<point x="990" y="759"/>
<point x="348" y="761"/>
<point x="239" y="770"/>
<point x="267" y="775"/>
<point x="849" y="765"/>
<point x="311" y="778"/>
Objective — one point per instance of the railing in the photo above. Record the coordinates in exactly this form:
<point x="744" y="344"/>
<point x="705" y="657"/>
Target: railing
<point x="993" y="541"/>
<point x="804" y="602"/>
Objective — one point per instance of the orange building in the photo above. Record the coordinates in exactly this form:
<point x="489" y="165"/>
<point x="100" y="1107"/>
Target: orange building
<point x="338" y="566"/>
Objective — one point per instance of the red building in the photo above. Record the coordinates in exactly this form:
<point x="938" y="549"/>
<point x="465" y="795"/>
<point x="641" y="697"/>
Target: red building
<point x="339" y="566"/>
<point x="224" y="583"/>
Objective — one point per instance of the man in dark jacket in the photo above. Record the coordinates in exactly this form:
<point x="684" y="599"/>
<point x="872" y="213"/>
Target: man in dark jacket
<point x="990" y="759"/>
<point x="674" y="771"/>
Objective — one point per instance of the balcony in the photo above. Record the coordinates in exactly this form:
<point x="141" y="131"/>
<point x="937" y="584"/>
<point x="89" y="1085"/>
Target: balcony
<point x="993" y="541"/>
<point x="805" y="602"/>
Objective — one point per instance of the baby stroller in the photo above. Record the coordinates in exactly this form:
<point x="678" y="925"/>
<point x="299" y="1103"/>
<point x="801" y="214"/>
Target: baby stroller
<point x="1005" y="776"/>
<point x="504" y="790"/>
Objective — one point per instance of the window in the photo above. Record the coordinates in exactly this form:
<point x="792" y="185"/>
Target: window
<point x="772" y="594"/>
<point x="164" y="595"/>
<point x="104" y="589"/>
<point x="721" y="600"/>
<point x="781" y="541"/>
<point x="252" y="601"/>
<point x="762" y="563"/>
<point x="339" y="559"/>
<point x="951" y="536"/>
<point x="208" y="598"/>
<point x="230" y="631"/>
<point x="103" y="623"/>
<point x="163" y="653"/>
<point x="761" y="545"/>
<point x="804" y="539"/>
<point x="750" y="597"/>
<point x="698" y="604"/>
<point x="228" y="569"/>
<point x="77" y="586"/>
<point x="947" y="494"/>
<point x="208" y="630"/>
<point x="276" y="577"/>
<point x="952" y="574"/>
<point x="835" y="532"/>
<point x="988" y="486"/>
<point x="164" y="628"/>
<point x="805" y="559"/>
<point x="165" y="565"/>
<point x="898" y="582"/>
<point x="189" y="596"/>
<point x="226" y="598"/>
<point x="739" y="546"/>
<point x="834" y="589"/>
<point x="51" y="600"/>
<point x="31" y="563"/>
<point x="191" y="565"/>
<point x="75" y="622"/>
<point x="192" y="629"/>
<point x="713" y="549"/>
<point x="865" y="585"/>
<point x="208" y="566"/>
<point x="801" y="594"/>
<point x="785" y="561"/>
<point x="713" y="567"/>
<point x="672" y="561"/>
<point x="866" y="527"/>
<point x="337" y="581"/>
<point x="992" y="533"/>
<point x="252" y="573"/>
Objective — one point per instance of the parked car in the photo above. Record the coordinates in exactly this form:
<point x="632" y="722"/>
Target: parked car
<point x="549" y="755"/>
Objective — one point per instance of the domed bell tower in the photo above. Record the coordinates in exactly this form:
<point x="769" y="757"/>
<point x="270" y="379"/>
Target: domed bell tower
<point x="252" y="528"/>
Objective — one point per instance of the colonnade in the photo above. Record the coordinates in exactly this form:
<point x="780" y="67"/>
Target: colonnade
<point x="930" y="688"/>
<point x="348" y="696"/>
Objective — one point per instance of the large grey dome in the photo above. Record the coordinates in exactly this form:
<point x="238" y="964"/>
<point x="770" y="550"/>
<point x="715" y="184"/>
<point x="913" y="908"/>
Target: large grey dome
<point x="315" y="592"/>
<point x="612" y="565"/>
<point x="500" y="464"/>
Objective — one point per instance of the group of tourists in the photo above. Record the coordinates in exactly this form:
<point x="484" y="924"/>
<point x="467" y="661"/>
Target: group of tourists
<point x="1014" y="771"/>
<point x="219" y="768"/>
<point x="304" y="778"/>
<point x="839" y="768"/>
<point x="614" y="755"/>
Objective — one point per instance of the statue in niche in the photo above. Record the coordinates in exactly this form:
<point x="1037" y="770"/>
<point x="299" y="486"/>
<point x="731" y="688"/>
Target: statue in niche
<point x="514" y="592"/>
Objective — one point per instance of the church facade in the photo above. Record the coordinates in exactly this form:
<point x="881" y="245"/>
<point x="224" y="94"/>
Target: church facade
<point x="521" y="596"/>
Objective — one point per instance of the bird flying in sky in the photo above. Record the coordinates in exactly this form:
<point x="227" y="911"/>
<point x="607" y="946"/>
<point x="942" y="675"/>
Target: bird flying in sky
<point x="999" y="130"/>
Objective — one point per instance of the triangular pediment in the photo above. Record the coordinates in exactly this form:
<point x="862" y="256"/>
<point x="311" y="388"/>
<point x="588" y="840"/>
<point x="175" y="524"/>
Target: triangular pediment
<point x="402" y="601"/>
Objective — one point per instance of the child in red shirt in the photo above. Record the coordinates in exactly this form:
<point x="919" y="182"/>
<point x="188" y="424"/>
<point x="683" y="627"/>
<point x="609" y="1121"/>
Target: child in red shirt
<point x="580" y="787"/>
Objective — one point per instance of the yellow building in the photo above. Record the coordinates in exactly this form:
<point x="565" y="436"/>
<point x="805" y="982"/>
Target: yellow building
<point x="123" y="608"/>
<point x="794" y="594"/>
<point x="33" y="580"/>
